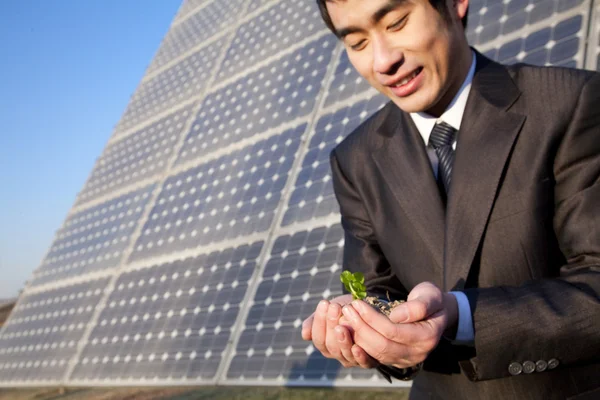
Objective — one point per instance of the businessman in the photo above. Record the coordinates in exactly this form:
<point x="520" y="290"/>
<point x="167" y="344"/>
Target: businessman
<point x="475" y="195"/>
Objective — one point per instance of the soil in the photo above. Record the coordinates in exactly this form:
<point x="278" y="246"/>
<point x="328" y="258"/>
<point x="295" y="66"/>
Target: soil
<point x="383" y="306"/>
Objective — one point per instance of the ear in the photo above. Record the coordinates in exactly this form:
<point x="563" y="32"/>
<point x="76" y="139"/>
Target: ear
<point x="460" y="8"/>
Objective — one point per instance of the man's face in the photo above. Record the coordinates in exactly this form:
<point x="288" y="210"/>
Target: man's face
<point x="405" y="48"/>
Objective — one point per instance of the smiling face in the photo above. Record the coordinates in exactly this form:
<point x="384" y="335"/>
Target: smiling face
<point x="406" y="49"/>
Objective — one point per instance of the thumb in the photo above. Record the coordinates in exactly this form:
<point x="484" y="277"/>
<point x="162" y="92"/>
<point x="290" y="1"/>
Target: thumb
<point x="424" y="300"/>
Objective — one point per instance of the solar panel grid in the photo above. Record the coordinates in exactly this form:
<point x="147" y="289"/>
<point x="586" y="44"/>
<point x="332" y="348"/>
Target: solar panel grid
<point x="312" y="195"/>
<point x="254" y="4"/>
<point x="93" y="239"/>
<point x="172" y="87"/>
<point x="231" y="196"/>
<point x="277" y="93"/>
<point x="558" y="45"/>
<point x="212" y="18"/>
<point x="282" y="25"/>
<point x="142" y="155"/>
<point x="169" y="321"/>
<point x="492" y="19"/>
<point x="39" y="339"/>
<point x="187" y="8"/>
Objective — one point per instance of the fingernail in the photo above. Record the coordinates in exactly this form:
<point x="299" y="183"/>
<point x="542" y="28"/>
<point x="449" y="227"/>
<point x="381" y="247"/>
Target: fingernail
<point x="359" y="306"/>
<point x="349" y="312"/>
<point x="333" y="313"/>
<point x="399" y="314"/>
<point x="323" y="306"/>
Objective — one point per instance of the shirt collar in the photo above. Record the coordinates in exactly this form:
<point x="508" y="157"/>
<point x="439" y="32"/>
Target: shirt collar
<point x="453" y="114"/>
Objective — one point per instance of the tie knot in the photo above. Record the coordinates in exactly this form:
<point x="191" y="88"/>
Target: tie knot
<point x="441" y="135"/>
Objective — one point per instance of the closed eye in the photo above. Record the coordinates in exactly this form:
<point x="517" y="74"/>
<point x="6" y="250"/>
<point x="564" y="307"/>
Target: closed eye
<point x="359" y="46"/>
<point x="398" y="24"/>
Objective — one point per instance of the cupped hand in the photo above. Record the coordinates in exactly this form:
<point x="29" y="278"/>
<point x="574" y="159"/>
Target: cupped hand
<point x="412" y="330"/>
<point x="332" y="335"/>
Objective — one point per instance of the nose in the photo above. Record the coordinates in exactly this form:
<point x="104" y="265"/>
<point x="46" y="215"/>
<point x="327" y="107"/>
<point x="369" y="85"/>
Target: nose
<point x="386" y="57"/>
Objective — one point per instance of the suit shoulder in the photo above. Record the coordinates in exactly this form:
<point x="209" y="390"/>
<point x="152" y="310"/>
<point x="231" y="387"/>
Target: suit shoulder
<point x="560" y="79"/>
<point x="363" y="138"/>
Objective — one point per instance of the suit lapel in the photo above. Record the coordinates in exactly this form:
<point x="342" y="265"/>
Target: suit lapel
<point x="403" y="162"/>
<point x="484" y="144"/>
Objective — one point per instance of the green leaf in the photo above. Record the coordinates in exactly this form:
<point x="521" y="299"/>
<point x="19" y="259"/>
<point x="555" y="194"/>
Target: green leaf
<point x="354" y="283"/>
<point x="359" y="277"/>
<point x="346" y="277"/>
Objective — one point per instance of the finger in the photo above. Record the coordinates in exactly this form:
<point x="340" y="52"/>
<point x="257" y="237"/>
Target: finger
<point x="307" y="325"/>
<point x="420" y="335"/>
<point x="424" y="300"/>
<point x="345" y="345"/>
<point x="362" y="358"/>
<point x="319" y="327"/>
<point x="334" y="313"/>
<point x="376" y="345"/>
<point x="378" y="321"/>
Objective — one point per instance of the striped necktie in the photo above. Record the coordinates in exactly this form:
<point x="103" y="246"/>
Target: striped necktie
<point x="441" y="139"/>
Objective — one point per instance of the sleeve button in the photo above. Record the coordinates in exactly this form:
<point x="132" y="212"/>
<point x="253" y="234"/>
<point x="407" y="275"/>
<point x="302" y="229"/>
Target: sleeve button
<point x="541" y="366"/>
<point x="515" y="368"/>
<point x="553" y="363"/>
<point x="528" y="367"/>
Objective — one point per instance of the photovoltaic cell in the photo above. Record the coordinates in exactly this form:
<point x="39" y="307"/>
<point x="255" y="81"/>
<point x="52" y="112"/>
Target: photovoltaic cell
<point x="312" y="195"/>
<point x="277" y="93"/>
<point x="275" y="29"/>
<point x="558" y="45"/>
<point x="189" y="7"/>
<point x="491" y="19"/>
<point x="93" y="239"/>
<point x="254" y="4"/>
<point x="171" y="87"/>
<point x="138" y="156"/>
<point x="40" y="338"/>
<point x="170" y="321"/>
<point x="196" y="29"/>
<point x="234" y="195"/>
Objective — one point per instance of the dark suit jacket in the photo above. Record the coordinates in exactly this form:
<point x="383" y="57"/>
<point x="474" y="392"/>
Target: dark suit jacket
<point x="520" y="234"/>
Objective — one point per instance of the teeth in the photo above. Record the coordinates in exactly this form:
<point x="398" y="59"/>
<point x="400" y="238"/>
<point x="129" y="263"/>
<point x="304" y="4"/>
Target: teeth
<point x="407" y="79"/>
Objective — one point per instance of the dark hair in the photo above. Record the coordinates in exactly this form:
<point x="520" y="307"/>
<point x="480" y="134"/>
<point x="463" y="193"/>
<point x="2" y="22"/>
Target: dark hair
<point x="439" y="5"/>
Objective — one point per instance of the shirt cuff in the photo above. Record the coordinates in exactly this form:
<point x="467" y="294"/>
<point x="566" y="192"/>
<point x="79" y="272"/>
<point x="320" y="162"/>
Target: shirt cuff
<point x="465" y="334"/>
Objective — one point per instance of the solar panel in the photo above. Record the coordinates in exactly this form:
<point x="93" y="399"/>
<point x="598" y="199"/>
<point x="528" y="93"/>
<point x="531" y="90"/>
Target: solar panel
<point x="225" y="198"/>
<point x="140" y="156"/>
<point x="205" y="20"/>
<point x="170" y="321"/>
<point x="264" y="99"/>
<point x="93" y="239"/>
<point x="173" y="86"/>
<point x="44" y="330"/>
<point x="312" y="195"/>
<point x="208" y="229"/>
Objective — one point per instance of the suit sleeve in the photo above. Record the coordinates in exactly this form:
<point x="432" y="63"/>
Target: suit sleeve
<point x="556" y="318"/>
<point x="361" y="250"/>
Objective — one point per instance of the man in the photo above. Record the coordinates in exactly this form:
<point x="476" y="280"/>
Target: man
<point x="475" y="194"/>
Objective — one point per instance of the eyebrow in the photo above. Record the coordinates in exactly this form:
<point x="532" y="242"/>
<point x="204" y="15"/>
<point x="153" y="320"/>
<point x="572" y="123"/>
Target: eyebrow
<point x="377" y="16"/>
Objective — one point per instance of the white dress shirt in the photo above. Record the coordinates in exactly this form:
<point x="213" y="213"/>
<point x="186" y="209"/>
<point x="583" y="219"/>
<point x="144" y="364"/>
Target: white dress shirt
<point x="425" y="123"/>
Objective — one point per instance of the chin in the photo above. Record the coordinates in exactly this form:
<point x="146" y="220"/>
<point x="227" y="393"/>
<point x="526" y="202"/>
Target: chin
<point x="411" y="106"/>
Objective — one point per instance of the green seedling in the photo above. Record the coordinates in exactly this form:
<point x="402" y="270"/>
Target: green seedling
<point x="355" y="284"/>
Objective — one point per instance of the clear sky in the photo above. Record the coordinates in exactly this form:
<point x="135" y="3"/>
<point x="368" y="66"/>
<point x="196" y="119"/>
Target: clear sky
<point x="67" y="71"/>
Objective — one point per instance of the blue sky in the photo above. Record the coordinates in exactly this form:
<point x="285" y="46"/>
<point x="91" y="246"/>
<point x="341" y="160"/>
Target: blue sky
<point x="67" y="71"/>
